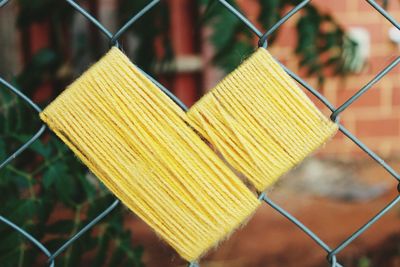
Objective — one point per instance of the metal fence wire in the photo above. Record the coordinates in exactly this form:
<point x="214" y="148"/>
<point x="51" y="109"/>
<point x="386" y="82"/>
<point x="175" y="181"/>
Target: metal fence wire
<point x="263" y="41"/>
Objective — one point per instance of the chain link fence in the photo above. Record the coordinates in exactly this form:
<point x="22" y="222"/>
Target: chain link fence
<point x="263" y="41"/>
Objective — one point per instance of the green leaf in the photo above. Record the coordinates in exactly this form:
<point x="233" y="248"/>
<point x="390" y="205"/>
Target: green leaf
<point x="42" y="149"/>
<point x="66" y="188"/>
<point x="89" y="188"/>
<point x="21" y="210"/>
<point x="55" y="243"/>
<point x="270" y="13"/>
<point x="61" y="227"/>
<point x="55" y="172"/>
<point x="364" y="262"/>
<point x="239" y="51"/>
<point x="99" y="205"/>
<point x="21" y="181"/>
<point x="43" y="65"/>
<point x="9" y="240"/>
<point x="2" y="150"/>
<point x="9" y="259"/>
<point x="102" y="248"/>
<point x="30" y="256"/>
<point x="118" y="256"/>
<point x="134" y="255"/>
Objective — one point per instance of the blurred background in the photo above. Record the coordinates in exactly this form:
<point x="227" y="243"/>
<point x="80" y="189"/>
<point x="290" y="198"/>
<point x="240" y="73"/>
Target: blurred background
<point x="336" y="46"/>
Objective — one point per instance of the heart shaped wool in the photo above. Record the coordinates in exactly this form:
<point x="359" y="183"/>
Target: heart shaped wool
<point x="260" y="120"/>
<point x="136" y="141"/>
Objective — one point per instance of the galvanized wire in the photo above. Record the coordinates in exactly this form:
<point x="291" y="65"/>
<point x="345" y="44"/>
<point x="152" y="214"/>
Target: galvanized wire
<point x="263" y="41"/>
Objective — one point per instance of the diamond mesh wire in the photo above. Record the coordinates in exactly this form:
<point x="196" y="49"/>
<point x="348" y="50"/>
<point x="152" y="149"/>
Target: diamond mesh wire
<point x="263" y="41"/>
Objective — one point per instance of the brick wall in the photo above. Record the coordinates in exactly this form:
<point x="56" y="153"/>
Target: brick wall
<point x="375" y="117"/>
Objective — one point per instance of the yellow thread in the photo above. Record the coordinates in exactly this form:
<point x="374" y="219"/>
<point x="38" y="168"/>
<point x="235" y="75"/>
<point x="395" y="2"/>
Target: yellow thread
<point x="136" y="140"/>
<point x="260" y="120"/>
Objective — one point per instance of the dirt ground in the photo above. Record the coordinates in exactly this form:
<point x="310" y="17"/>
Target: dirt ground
<point x="270" y="240"/>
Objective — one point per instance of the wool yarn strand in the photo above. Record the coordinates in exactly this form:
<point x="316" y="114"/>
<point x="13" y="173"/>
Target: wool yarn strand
<point x="137" y="142"/>
<point x="260" y="120"/>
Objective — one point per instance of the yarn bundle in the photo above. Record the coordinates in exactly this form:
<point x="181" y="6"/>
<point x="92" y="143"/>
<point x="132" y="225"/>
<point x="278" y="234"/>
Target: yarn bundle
<point x="136" y="141"/>
<point x="149" y="153"/>
<point x="260" y="120"/>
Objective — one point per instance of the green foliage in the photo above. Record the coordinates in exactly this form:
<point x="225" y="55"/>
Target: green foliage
<point x="48" y="192"/>
<point x="320" y="39"/>
<point x="321" y="45"/>
<point x="315" y="42"/>
<point x="364" y="262"/>
<point x="42" y="66"/>
<point x="151" y="28"/>
<point x="230" y="38"/>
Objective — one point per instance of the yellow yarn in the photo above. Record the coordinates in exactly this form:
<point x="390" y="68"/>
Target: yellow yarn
<point x="135" y="139"/>
<point x="260" y="120"/>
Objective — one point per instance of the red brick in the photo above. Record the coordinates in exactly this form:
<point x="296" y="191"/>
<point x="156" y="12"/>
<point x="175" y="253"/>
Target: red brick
<point x="378" y="32"/>
<point x="393" y="6"/>
<point x="331" y="6"/>
<point x="364" y="6"/>
<point x="251" y="9"/>
<point x="377" y="64"/>
<point x="39" y="35"/>
<point x="334" y="146"/>
<point x="357" y="153"/>
<point x="287" y="36"/>
<point x="371" y="98"/>
<point x="378" y="127"/>
<point x="396" y="96"/>
<point x="318" y="103"/>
